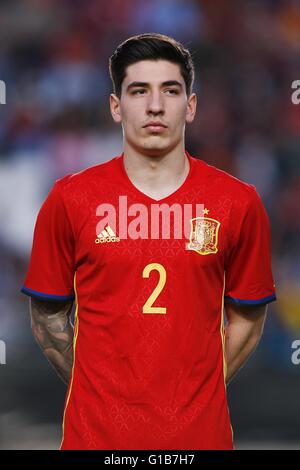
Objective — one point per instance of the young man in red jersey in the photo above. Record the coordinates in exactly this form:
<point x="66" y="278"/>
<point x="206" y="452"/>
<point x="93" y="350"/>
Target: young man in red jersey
<point x="153" y="245"/>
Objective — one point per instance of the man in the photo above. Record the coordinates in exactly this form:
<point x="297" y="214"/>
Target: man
<point x="151" y="245"/>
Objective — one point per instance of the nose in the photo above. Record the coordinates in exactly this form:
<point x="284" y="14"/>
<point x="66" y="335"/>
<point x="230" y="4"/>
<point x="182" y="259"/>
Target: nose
<point x="155" y="104"/>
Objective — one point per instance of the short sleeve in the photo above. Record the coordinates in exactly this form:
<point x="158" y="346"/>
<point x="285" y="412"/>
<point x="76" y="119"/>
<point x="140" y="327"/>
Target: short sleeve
<point x="51" y="268"/>
<point x="249" y="278"/>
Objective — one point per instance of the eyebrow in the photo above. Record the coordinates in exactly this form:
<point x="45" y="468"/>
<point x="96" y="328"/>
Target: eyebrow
<point x="146" y="84"/>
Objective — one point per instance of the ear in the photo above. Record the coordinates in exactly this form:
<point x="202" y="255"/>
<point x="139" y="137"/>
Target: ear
<point x="115" y="108"/>
<point x="191" y="108"/>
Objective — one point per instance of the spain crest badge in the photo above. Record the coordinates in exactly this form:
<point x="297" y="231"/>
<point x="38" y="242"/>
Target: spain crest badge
<point x="204" y="235"/>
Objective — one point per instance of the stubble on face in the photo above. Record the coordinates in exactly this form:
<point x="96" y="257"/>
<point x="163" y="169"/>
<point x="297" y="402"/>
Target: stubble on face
<point x="153" y="91"/>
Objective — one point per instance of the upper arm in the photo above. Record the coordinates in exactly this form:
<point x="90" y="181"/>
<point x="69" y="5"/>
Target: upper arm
<point x="253" y="316"/>
<point x="49" y="307"/>
<point x="249" y="279"/>
<point x="51" y="271"/>
<point x="50" y="312"/>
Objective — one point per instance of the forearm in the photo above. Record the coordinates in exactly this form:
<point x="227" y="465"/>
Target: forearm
<point x="240" y="343"/>
<point x="53" y="331"/>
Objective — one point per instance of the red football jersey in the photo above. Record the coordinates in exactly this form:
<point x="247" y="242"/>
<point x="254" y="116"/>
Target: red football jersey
<point x="150" y="279"/>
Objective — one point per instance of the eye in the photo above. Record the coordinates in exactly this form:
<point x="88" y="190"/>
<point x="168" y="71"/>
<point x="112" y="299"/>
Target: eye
<point x="140" y="91"/>
<point x="172" y="91"/>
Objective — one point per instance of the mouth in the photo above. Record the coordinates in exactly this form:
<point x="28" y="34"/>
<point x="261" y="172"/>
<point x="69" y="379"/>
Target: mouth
<point x="155" y="127"/>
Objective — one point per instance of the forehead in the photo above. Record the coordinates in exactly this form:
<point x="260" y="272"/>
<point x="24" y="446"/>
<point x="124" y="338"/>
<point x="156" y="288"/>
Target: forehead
<point x="153" y="71"/>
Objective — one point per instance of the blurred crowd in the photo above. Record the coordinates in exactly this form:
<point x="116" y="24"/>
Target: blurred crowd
<point x="54" y="61"/>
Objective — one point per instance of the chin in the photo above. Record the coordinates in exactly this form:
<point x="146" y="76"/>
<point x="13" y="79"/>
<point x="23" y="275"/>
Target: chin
<point x="155" y="150"/>
<point x="156" y="147"/>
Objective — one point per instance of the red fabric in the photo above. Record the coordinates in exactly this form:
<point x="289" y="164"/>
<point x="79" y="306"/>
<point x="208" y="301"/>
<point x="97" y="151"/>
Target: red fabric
<point x="248" y="273"/>
<point x="149" y="380"/>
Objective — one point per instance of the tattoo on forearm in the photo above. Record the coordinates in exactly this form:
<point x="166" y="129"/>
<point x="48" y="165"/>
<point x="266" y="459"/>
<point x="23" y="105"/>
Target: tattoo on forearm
<point x="53" y="331"/>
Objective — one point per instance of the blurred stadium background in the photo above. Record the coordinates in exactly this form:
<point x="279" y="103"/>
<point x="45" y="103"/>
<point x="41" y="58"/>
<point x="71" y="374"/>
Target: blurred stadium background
<point x="54" y="61"/>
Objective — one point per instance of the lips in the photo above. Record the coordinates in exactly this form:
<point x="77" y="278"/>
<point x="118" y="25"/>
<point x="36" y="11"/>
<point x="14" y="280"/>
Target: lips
<point x="155" y="124"/>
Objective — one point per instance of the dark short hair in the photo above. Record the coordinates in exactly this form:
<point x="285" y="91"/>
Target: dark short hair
<point x="150" y="46"/>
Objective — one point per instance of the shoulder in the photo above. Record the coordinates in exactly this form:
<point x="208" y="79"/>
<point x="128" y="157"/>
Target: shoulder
<point x="77" y="184"/>
<point x="224" y="181"/>
<point x="238" y="194"/>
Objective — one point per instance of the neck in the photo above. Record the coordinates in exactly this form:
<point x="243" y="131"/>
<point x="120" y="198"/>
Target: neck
<point x="156" y="175"/>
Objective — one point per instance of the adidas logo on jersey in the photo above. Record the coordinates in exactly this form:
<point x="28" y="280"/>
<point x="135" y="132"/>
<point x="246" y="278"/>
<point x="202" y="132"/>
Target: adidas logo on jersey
<point x="107" y="236"/>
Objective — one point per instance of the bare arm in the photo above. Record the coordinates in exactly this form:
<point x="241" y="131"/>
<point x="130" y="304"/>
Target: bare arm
<point x="242" y="334"/>
<point x="53" y="331"/>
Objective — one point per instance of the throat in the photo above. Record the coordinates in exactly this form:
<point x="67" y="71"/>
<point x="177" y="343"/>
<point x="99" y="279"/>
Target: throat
<point x="161" y="186"/>
<point x="157" y="181"/>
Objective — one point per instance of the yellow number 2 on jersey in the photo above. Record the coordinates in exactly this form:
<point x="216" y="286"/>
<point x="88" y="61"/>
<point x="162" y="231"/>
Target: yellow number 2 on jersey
<point x="148" y="306"/>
